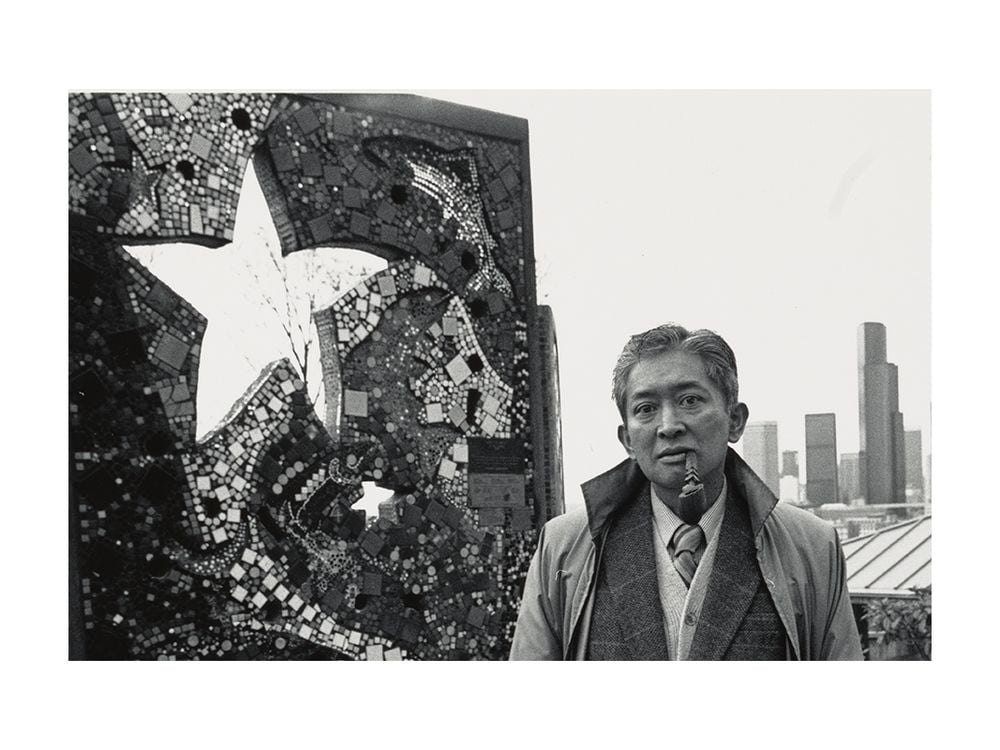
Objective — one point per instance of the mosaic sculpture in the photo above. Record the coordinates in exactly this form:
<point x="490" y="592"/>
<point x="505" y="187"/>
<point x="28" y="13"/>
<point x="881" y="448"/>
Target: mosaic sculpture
<point x="438" y="374"/>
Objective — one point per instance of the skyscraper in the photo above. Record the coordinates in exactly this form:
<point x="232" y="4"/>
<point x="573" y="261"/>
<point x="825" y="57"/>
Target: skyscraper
<point x="790" y="464"/>
<point x="821" y="459"/>
<point x="760" y="450"/>
<point x="789" y="481"/>
<point x="849" y="478"/>
<point x="914" y="462"/>
<point x="881" y="455"/>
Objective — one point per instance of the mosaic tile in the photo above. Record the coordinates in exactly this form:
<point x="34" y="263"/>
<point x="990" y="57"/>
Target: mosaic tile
<point x="162" y="165"/>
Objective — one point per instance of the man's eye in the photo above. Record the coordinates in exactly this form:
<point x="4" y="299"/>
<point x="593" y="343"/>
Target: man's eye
<point x="644" y="409"/>
<point x="690" y="400"/>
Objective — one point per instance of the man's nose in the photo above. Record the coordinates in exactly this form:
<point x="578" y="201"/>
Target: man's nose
<point x="671" y="423"/>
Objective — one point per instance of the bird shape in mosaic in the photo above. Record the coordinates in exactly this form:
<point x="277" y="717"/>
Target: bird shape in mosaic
<point x="452" y="180"/>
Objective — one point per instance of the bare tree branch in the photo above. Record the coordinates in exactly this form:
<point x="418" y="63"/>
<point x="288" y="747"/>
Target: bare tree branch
<point x="291" y="292"/>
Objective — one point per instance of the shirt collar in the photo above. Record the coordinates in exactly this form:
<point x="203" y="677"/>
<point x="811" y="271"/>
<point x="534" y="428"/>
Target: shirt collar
<point x="667" y="521"/>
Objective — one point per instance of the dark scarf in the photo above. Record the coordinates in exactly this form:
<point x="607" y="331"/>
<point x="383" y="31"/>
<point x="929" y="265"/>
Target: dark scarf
<point x="738" y="618"/>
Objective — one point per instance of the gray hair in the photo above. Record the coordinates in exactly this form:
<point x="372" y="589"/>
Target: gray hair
<point x="720" y="362"/>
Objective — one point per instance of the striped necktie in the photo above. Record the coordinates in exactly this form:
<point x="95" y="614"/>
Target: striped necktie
<point x="687" y="546"/>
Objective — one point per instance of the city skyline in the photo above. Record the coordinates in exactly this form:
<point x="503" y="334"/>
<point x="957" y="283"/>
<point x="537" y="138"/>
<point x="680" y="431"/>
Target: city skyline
<point x="787" y="437"/>
<point x="895" y="458"/>
<point x="848" y="464"/>
<point x="848" y="472"/>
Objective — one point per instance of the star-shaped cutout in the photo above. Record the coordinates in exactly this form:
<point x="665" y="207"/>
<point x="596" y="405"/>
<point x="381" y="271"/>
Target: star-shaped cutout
<point x="255" y="301"/>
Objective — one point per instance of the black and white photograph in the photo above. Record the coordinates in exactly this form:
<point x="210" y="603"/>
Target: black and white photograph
<point x="360" y="376"/>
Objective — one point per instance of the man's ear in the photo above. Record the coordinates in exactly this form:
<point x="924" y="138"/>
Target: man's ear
<point x="738" y="421"/>
<point x="625" y="440"/>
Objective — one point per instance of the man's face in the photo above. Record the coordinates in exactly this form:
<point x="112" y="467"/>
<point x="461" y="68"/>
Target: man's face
<point x="671" y="408"/>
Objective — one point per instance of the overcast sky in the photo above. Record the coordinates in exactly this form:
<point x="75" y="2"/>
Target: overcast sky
<point x="782" y="220"/>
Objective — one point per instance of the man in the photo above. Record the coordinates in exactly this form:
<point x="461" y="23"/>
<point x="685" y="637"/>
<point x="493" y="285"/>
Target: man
<point x="681" y="551"/>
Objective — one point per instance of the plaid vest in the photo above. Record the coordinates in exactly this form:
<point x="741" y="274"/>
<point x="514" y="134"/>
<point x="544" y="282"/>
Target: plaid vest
<point x="738" y="618"/>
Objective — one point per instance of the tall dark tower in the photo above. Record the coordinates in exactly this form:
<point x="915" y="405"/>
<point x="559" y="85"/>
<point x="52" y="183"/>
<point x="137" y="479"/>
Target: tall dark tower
<point x="882" y="450"/>
<point x="821" y="459"/>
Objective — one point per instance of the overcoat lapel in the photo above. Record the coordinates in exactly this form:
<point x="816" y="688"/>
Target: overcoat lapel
<point x="629" y="565"/>
<point x="735" y="578"/>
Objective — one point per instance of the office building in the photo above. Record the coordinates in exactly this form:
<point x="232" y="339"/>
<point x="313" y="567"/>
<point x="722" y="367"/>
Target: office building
<point x="914" y="464"/>
<point x="881" y="456"/>
<point x="760" y="451"/>
<point x="821" y="459"/>
<point x="788" y="483"/>
<point x="790" y="464"/>
<point x="849" y="478"/>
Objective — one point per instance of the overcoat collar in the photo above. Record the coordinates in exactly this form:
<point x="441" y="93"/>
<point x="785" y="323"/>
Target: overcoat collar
<point x="606" y="494"/>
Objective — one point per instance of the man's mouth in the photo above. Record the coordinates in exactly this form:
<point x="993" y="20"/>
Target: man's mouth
<point x="672" y="456"/>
